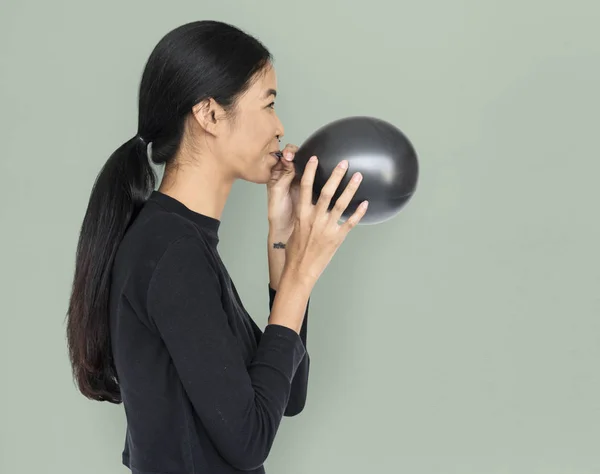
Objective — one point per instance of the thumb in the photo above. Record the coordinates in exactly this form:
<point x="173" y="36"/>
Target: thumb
<point x="289" y="170"/>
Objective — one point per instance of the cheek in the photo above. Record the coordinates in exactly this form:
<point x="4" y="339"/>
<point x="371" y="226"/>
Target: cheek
<point x="252" y="137"/>
<point x="260" y="133"/>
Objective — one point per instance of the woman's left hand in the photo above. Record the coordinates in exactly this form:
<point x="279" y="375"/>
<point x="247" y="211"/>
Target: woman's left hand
<point x="283" y="192"/>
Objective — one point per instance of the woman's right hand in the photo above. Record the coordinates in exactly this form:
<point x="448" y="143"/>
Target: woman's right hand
<point x="317" y="234"/>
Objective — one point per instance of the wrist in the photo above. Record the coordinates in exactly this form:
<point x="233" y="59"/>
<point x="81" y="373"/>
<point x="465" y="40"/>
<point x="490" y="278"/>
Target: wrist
<point x="292" y="277"/>
<point x="276" y="244"/>
<point x="279" y="230"/>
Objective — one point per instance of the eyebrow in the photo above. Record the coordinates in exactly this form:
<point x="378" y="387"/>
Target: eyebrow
<point x="270" y="92"/>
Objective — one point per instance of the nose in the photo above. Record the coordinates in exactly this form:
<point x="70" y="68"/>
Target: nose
<point x="279" y="131"/>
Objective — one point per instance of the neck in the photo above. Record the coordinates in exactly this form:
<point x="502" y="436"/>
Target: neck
<point x="200" y="184"/>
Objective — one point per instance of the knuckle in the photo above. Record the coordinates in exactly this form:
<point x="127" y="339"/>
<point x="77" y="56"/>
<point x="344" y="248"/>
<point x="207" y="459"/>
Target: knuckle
<point x="352" y="186"/>
<point x="327" y="193"/>
<point x="340" y="205"/>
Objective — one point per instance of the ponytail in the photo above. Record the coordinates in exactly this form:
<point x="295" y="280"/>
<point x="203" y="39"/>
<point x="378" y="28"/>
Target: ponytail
<point x="120" y="190"/>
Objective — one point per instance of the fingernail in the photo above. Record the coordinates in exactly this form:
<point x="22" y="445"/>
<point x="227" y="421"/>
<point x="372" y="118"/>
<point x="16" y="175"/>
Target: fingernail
<point x="313" y="159"/>
<point x="288" y="155"/>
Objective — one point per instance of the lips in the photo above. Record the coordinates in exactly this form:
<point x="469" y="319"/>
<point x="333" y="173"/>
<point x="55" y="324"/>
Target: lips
<point x="277" y="154"/>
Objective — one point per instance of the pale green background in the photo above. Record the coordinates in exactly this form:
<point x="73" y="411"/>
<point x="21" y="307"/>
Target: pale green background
<point x="461" y="337"/>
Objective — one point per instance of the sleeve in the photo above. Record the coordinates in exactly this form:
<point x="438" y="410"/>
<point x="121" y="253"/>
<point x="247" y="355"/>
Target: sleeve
<point x="299" y="388"/>
<point x="241" y="407"/>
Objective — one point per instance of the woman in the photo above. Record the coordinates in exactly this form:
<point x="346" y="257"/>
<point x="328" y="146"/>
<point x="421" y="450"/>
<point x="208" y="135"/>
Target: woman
<point x="154" y="320"/>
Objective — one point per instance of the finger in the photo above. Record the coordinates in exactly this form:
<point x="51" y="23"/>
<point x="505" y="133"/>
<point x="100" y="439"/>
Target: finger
<point x="355" y="218"/>
<point x="343" y="201"/>
<point x="331" y="186"/>
<point x="289" y="151"/>
<point x="306" y="183"/>
<point x="289" y="170"/>
<point x="292" y="148"/>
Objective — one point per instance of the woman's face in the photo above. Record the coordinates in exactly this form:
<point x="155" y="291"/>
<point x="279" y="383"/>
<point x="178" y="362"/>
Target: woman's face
<point x="253" y="133"/>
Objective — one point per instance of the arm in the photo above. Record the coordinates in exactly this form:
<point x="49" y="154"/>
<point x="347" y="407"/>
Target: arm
<point x="299" y="389"/>
<point x="241" y="407"/>
<point x="276" y="255"/>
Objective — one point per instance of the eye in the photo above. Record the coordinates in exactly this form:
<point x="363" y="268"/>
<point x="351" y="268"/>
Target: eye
<point x="271" y="105"/>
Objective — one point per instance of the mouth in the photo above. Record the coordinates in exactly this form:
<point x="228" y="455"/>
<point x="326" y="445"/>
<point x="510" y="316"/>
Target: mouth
<point x="276" y="154"/>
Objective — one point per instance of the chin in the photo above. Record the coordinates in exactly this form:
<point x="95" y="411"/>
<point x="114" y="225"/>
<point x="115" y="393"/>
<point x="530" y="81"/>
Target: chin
<point x="266" y="170"/>
<point x="260" y="171"/>
<point x="262" y="178"/>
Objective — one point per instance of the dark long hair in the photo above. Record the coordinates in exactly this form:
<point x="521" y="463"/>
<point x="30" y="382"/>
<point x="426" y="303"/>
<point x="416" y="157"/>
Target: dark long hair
<point x="194" y="62"/>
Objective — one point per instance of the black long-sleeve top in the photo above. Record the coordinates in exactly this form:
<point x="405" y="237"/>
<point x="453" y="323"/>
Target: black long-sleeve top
<point x="203" y="388"/>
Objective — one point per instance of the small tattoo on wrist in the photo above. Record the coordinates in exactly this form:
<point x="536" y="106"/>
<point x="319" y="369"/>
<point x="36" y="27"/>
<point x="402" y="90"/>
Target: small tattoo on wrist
<point x="278" y="245"/>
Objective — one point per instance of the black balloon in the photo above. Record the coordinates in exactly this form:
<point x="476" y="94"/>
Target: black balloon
<point x="375" y="148"/>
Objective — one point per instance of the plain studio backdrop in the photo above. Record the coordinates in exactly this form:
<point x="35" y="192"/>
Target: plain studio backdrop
<point x="460" y="337"/>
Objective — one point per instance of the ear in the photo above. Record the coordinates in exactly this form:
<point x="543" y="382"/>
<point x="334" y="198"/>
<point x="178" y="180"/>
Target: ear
<point x="208" y="115"/>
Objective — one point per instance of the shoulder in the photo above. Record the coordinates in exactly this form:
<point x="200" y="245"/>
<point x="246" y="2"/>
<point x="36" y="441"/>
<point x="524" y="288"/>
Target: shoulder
<point x="185" y="249"/>
<point x="158" y="239"/>
<point x="185" y="274"/>
<point x="165" y="226"/>
<point x="155" y="230"/>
